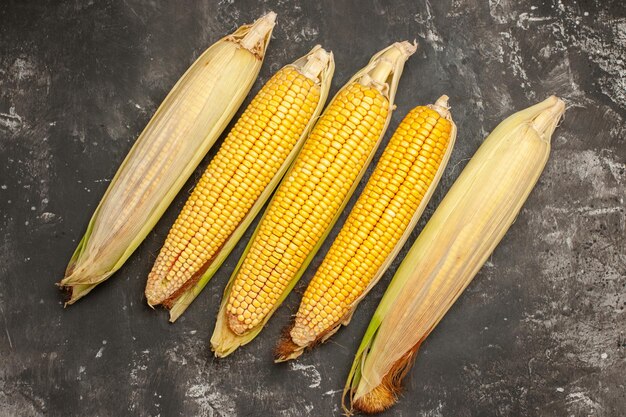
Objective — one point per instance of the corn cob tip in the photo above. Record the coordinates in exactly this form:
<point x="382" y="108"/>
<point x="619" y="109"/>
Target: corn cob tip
<point x="260" y="30"/>
<point x="236" y="325"/>
<point x="153" y="298"/>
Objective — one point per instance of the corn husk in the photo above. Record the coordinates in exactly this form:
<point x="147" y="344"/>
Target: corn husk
<point x="323" y="81"/>
<point x="388" y="65"/>
<point x="182" y="130"/>
<point x="458" y="239"/>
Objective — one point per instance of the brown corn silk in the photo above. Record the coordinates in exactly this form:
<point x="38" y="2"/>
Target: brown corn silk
<point x="464" y="230"/>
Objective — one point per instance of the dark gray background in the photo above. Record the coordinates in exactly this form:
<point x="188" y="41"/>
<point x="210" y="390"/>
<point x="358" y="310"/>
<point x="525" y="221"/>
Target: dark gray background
<point x="540" y="332"/>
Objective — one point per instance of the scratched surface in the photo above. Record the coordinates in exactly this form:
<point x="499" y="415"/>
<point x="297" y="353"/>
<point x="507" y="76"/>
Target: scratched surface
<point x="540" y="332"/>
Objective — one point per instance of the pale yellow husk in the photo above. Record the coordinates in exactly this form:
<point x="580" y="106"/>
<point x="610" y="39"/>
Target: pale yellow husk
<point x="458" y="239"/>
<point x="182" y="130"/>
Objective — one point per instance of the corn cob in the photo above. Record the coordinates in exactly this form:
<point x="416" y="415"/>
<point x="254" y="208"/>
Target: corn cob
<point x="239" y="179"/>
<point x="377" y="227"/>
<point x="182" y="130"/>
<point x="458" y="239"/>
<point x="309" y="199"/>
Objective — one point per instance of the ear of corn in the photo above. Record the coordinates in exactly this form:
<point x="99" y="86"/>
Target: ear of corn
<point x="239" y="179"/>
<point x="377" y="227"/>
<point x="182" y="130"/>
<point x="309" y="199"/>
<point x="458" y="239"/>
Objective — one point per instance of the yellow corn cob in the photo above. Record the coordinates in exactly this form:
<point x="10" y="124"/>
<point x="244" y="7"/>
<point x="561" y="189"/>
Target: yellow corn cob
<point x="248" y="165"/>
<point x="182" y="130"/>
<point x="305" y="204"/>
<point x="309" y="199"/>
<point x="461" y="234"/>
<point x="377" y="227"/>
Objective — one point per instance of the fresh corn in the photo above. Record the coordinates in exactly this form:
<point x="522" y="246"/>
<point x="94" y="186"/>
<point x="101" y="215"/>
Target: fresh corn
<point x="182" y="130"/>
<point x="239" y="179"/>
<point x="458" y="239"/>
<point x="309" y="199"/>
<point x="377" y="227"/>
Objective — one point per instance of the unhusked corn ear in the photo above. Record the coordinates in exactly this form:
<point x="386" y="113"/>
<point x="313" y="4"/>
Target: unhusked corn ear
<point x="182" y="130"/>
<point x="248" y="165"/>
<point x="459" y="237"/>
<point x="377" y="227"/>
<point x="309" y="199"/>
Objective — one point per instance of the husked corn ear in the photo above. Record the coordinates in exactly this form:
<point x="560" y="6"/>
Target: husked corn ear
<point x="175" y="140"/>
<point x="459" y="237"/>
<point x="256" y="151"/>
<point x="377" y="227"/>
<point x="305" y="203"/>
<point x="309" y="199"/>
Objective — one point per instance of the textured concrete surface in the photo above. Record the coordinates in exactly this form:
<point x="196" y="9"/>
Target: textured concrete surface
<point x="540" y="332"/>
